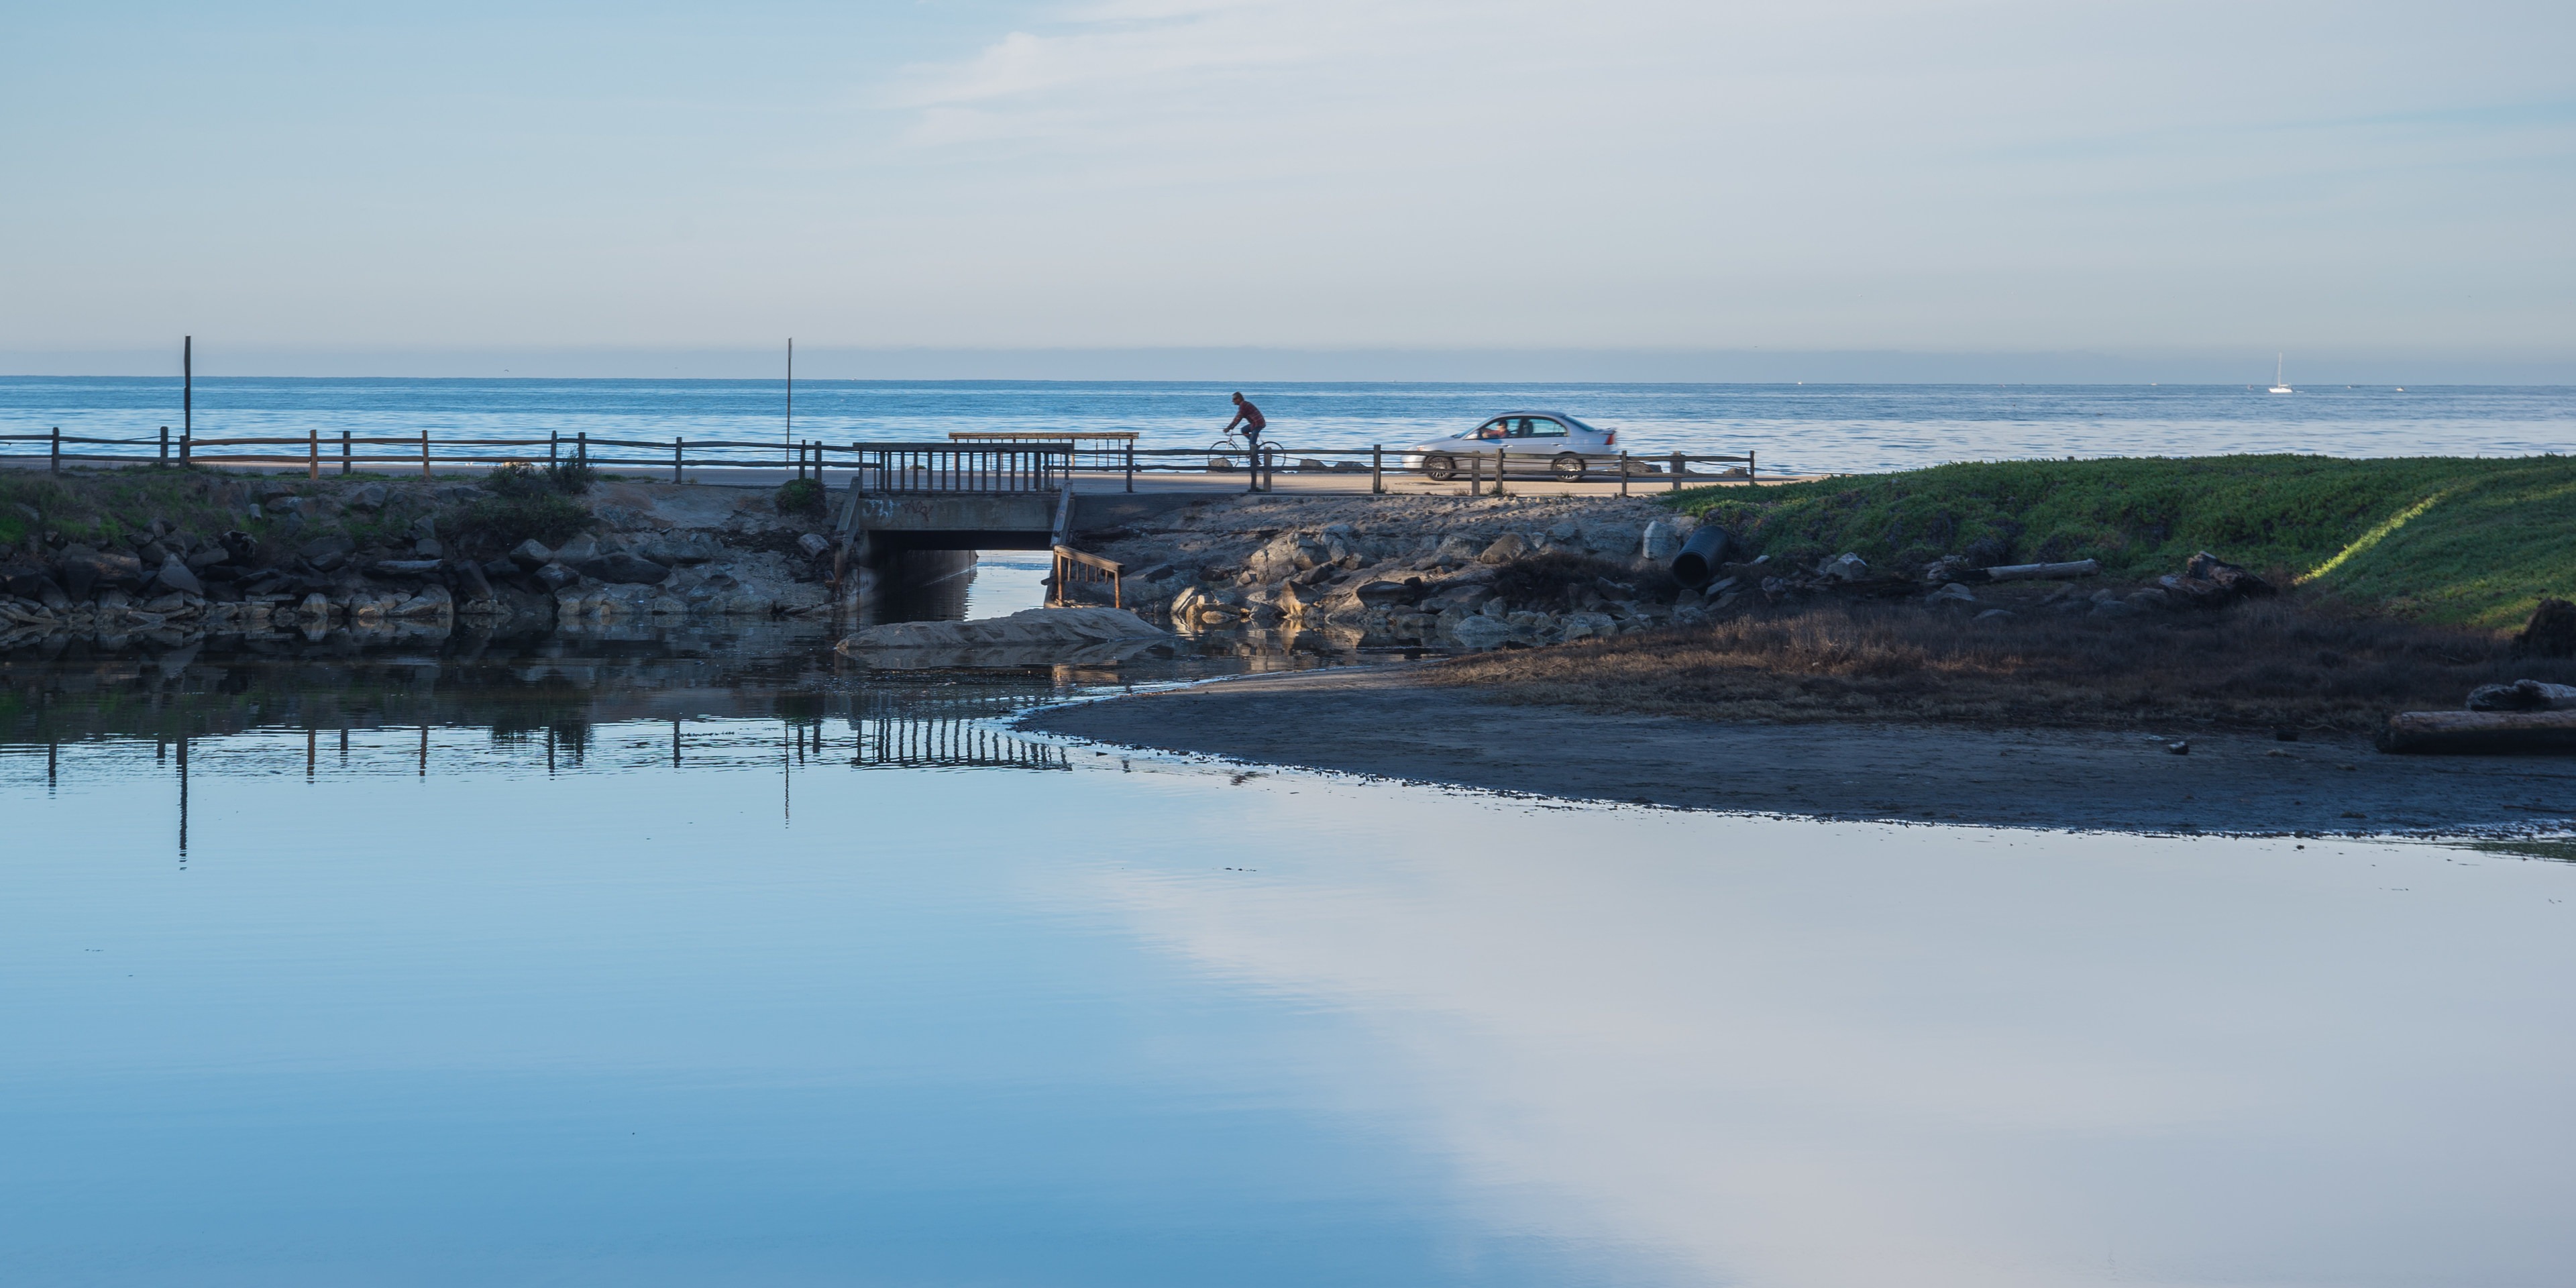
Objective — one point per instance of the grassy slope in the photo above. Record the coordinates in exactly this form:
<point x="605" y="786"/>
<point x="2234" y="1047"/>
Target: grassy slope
<point x="2496" y="536"/>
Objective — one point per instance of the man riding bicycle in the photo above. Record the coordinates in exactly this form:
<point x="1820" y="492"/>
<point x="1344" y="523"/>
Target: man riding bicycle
<point x="1249" y="416"/>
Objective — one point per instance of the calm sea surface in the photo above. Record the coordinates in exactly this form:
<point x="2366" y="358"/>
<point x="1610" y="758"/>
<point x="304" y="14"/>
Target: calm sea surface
<point x="1795" y="427"/>
<point x="660" y="958"/>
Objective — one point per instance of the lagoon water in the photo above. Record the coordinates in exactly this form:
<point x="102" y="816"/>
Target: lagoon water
<point x="668" y="959"/>
<point x="1839" y="428"/>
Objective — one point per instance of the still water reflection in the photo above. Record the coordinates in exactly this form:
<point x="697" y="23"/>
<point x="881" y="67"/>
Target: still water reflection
<point x="713" y="960"/>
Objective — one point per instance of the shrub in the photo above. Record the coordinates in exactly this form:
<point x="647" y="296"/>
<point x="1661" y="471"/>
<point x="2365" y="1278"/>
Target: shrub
<point x="517" y="480"/>
<point x="504" y="521"/>
<point x="800" y="497"/>
<point x="1558" y="578"/>
<point x="572" y="478"/>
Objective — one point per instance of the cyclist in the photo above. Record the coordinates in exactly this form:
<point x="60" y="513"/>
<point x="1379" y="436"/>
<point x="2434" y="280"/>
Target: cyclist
<point x="1249" y="416"/>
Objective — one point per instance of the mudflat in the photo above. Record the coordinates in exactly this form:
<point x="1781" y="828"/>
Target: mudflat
<point x="1383" y="722"/>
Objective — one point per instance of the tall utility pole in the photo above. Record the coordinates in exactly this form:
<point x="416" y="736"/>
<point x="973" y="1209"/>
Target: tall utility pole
<point x="791" y="396"/>
<point x="187" y="385"/>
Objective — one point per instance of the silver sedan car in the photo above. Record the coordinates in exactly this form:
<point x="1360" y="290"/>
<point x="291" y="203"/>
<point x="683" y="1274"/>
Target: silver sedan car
<point x="1570" y="446"/>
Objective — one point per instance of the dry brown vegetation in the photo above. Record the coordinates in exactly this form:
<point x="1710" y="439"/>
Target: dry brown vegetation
<point x="2271" y="664"/>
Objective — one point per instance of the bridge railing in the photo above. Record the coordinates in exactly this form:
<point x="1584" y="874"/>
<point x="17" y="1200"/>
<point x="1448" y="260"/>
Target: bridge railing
<point x="961" y="467"/>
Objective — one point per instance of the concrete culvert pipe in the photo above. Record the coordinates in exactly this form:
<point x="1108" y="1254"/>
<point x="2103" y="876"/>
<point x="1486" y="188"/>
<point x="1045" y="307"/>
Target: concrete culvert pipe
<point x="1700" y="556"/>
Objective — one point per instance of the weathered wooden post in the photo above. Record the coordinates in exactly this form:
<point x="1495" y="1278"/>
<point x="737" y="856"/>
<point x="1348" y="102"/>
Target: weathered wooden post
<point x="677" y="445"/>
<point x="1475" y="473"/>
<point x="424" y="453"/>
<point x="1623" y="472"/>
<point x="1749" y="480"/>
<point x="185" y="439"/>
<point x="1501" y="456"/>
<point x="344" y="453"/>
<point x="1131" y="465"/>
<point x="187" y="385"/>
<point x="551" y="438"/>
<point x="54" y="462"/>
<point x="1377" y="469"/>
<point x="581" y="448"/>
<point x="1677" y="473"/>
<point x="313" y="453"/>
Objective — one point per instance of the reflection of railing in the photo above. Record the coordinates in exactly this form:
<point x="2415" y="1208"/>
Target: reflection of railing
<point x="1078" y="568"/>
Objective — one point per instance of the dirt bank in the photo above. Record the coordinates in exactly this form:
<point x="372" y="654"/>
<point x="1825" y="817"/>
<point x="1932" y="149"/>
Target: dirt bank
<point x="1382" y="722"/>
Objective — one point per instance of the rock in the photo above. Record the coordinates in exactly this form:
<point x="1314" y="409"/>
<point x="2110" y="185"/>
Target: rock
<point x="1505" y="549"/>
<point x="502" y="567"/>
<point x="814" y="544"/>
<point x="2179" y="748"/>
<point x="325" y="553"/>
<point x="2551" y="632"/>
<point x="2523" y="695"/>
<point x="83" y="571"/>
<point x="578" y="551"/>
<point x="1587" y="625"/>
<point x="1661" y="542"/>
<point x="1456" y="549"/>
<point x="1477" y="631"/>
<point x="530" y="555"/>
<point x="2149" y="601"/>
<point x="370" y="496"/>
<point x="314" y="608"/>
<point x="672" y="548"/>
<point x="429" y="548"/>
<point x="625" y="569"/>
<point x="1844" y="567"/>
<point x="424" y="528"/>
<point x="555" y="576"/>
<point x="2208" y="581"/>
<point x="403" y="567"/>
<point x="1564" y="531"/>
<point x="1382" y="594"/>
<point x="1993" y="613"/>
<point x="1954" y="593"/>
<point x="174" y="574"/>
<point x="432" y="601"/>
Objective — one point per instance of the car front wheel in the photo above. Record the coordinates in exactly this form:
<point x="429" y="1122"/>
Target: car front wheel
<point x="1439" y="468"/>
<point x="1568" y="467"/>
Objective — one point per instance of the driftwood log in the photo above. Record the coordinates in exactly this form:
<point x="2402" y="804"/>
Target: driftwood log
<point x="2523" y="695"/>
<point x="2479" y="732"/>
<point x="2045" y="571"/>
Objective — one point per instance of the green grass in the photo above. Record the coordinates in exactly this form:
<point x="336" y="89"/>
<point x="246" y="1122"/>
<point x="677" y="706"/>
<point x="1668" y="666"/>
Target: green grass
<point x="2437" y="539"/>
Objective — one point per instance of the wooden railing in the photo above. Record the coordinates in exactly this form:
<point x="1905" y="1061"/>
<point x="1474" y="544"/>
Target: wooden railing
<point x="1079" y="568"/>
<point x="1012" y="463"/>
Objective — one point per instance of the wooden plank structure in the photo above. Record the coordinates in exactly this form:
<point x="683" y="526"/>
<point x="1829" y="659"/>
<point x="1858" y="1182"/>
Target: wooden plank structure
<point x="1076" y="567"/>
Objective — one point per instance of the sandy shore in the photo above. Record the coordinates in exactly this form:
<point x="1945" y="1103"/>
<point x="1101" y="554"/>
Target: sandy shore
<point x="1375" y="721"/>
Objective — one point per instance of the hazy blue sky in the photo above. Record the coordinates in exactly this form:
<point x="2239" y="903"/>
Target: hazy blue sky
<point x="319" y="188"/>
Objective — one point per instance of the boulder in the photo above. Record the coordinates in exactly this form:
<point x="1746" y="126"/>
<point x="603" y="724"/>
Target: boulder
<point x="174" y="575"/>
<point x="429" y="548"/>
<point x="1382" y="594"/>
<point x="555" y="576"/>
<point x="2208" y="581"/>
<point x="814" y="544"/>
<point x="1477" y="631"/>
<point x="578" y="551"/>
<point x="626" y="569"/>
<point x="1953" y="593"/>
<point x="1662" y="540"/>
<point x="403" y="567"/>
<point x="1844" y="567"/>
<point x="83" y="571"/>
<point x="2523" y="695"/>
<point x="314" y="608"/>
<point x="369" y="496"/>
<point x="530" y="555"/>
<point x="1504" y="549"/>
<point x="1587" y="625"/>
<point x="325" y="553"/>
<point x="2551" y="632"/>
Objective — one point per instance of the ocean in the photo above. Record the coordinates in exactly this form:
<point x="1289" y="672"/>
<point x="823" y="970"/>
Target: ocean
<point x="1795" y="428"/>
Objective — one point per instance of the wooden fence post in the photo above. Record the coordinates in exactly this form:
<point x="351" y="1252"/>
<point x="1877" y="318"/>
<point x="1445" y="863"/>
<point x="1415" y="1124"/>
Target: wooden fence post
<point x="313" y="453"/>
<point x="1677" y="473"/>
<point x="677" y="445"/>
<point x="1475" y="473"/>
<point x="344" y="453"/>
<point x="54" y="463"/>
<point x="424" y="453"/>
<point x="1377" y="469"/>
<point x="165" y="444"/>
<point x="186" y="437"/>
<point x="1501" y="455"/>
<point x="552" y="436"/>
<point x="1623" y="473"/>
<point x="1749" y="480"/>
<point x="1131" y="465"/>
<point x="581" y="448"/>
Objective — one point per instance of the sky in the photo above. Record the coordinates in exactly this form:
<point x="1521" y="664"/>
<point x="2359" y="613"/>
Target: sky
<point x="1138" y="187"/>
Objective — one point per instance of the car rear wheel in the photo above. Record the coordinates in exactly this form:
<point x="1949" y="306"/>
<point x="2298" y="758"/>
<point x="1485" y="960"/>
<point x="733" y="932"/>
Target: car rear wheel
<point x="1568" y="467"/>
<point x="1439" y="468"/>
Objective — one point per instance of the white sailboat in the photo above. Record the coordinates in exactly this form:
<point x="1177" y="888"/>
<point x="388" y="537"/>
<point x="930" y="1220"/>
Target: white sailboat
<point x="2279" y="386"/>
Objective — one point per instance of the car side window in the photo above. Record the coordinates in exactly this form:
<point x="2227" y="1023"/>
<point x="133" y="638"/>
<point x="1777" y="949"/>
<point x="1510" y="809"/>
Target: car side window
<point x="1542" y="427"/>
<point x="1492" y="428"/>
<point x="1520" y="427"/>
